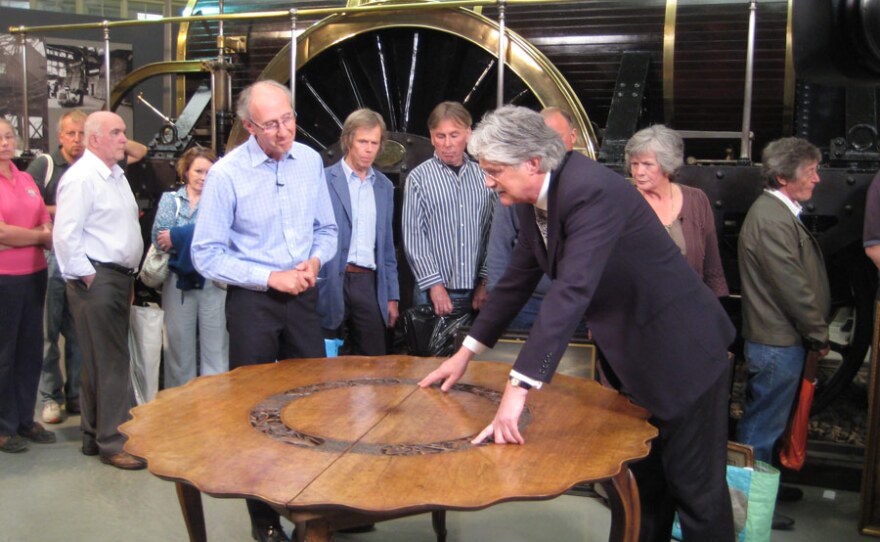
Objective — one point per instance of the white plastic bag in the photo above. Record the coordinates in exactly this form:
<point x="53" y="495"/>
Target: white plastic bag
<point x="145" y="345"/>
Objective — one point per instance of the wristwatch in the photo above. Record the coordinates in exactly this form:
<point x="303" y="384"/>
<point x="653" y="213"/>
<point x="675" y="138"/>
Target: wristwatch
<point x="517" y="383"/>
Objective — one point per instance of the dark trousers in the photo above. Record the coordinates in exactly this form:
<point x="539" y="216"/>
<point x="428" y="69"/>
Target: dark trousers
<point x="265" y="327"/>
<point x="686" y="471"/>
<point x="363" y="322"/>
<point x="21" y="349"/>
<point x="101" y="316"/>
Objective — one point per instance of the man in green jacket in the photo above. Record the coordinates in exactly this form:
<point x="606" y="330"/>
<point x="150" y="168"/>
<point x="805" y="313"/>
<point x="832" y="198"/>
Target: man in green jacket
<point x="785" y="294"/>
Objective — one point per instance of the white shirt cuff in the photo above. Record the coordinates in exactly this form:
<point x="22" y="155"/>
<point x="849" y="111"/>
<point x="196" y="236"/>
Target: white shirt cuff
<point x="535" y="384"/>
<point x="474" y="345"/>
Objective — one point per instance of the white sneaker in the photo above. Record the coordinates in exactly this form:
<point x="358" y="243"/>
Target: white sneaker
<point x="52" y="412"/>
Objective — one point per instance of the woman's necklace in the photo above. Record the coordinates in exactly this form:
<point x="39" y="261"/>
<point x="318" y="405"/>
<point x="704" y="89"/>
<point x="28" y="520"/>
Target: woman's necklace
<point x="671" y="208"/>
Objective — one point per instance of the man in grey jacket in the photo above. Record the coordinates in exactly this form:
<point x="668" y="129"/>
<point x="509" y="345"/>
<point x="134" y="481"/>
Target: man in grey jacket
<point x="785" y="293"/>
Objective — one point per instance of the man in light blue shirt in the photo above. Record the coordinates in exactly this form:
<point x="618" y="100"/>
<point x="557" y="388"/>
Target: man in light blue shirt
<point x="359" y="288"/>
<point x="265" y="228"/>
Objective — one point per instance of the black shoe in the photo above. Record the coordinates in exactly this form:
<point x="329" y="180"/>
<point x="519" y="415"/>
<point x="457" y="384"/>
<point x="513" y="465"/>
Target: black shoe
<point x="13" y="444"/>
<point x="89" y="447"/>
<point x="72" y="407"/>
<point x="789" y="494"/>
<point x="272" y="533"/>
<point x="782" y="523"/>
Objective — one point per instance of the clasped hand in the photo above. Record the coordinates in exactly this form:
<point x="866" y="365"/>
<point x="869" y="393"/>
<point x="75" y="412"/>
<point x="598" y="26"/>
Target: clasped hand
<point x="297" y="280"/>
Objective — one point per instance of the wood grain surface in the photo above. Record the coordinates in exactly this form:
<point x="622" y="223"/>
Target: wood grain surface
<point x="362" y="436"/>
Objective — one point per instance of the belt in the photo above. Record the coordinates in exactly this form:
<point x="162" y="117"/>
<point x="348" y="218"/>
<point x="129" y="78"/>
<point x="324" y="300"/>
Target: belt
<point x="115" y="267"/>
<point x="352" y="268"/>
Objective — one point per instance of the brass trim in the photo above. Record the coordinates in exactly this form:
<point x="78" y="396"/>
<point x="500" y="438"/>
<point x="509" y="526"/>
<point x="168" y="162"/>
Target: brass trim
<point x="384" y="7"/>
<point x="180" y="80"/>
<point x="788" y="85"/>
<point x="146" y="71"/>
<point x="526" y="61"/>
<point x="669" y="60"/>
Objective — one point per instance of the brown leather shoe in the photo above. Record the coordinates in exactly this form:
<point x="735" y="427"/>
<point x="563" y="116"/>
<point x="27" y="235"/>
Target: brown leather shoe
<point x="38" y="434"/>
<point x="123" y="460"/>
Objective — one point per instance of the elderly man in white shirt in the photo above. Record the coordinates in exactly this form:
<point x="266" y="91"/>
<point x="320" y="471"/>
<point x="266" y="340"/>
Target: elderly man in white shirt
<point x="98" y="245"/>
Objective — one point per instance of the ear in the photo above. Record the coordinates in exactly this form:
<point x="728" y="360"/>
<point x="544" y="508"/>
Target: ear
<point x="533" y="164"/>
<point x="781" y="180"/>
<point x="249" y="127"/>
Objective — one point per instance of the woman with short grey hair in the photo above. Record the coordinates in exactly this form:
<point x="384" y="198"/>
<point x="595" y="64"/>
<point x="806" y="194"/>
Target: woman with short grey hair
<point x="654" y="156"/>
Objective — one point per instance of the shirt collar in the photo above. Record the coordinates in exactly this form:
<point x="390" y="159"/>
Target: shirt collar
<point x="542" y="196"/>
<point x="792" y="205"/>
<point x="100" y="167"/>
<point x="464" y="164"/>
<point x="349" y="172"/>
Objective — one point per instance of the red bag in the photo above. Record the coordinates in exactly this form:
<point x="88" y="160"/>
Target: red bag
<point x="794" y="449"/>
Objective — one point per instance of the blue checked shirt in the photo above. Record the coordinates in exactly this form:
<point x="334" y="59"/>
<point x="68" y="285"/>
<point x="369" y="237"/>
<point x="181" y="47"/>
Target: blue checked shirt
<point x="446" y="222"/>
<point x="363" y="218"/>
<point x="258" y="215"/>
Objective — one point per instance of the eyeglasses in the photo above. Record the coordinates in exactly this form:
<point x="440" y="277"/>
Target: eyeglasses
<point x="274" y="125"/>
<point x="494" y="173"/>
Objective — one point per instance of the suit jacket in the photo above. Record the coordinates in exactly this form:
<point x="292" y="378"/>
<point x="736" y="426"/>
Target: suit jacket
<point x="785" y="292"/>
<point x="660" y="329"/>
<point x="331" y="304"/>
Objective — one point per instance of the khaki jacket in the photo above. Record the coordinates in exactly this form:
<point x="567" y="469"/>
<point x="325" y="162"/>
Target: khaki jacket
<point x="785" y="293"/>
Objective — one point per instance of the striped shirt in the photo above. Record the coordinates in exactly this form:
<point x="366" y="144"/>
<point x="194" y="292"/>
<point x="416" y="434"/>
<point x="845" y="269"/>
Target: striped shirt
<point x="259" y="215"/>
<point x="446" y="222"/>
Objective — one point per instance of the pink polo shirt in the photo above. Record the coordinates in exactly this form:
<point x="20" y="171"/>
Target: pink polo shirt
<point x="21" y="205"/>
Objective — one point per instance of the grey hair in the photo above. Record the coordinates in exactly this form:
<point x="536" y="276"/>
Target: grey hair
<point x="783" y="157"/>
<point x="666" y="144"/>
<point x="242" y="108"/>
<point x="512" y="134"/>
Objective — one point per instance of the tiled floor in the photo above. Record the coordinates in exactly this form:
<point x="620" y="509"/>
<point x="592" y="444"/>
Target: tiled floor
<point x="54" y="493"/>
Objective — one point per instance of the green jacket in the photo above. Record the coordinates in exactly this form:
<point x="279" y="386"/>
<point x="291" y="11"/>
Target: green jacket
<point x="785" y="293"/>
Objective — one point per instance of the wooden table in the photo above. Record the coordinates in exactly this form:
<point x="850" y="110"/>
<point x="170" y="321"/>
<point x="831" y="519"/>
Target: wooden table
<point x="332" y="443"/>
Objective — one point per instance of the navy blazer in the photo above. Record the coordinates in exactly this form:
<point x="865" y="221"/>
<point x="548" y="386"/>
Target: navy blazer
<point x="661" y="330"/>
<point x="331" y="304"/>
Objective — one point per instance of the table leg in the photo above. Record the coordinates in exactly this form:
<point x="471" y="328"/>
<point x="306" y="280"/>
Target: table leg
<point x="626" y="513"/>
<point x="438" y="521"/>
<point x="315" y="530"/>
<point x="191" y="505"/>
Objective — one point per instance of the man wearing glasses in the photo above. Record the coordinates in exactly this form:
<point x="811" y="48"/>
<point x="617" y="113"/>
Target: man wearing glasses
<point x="265" y="228"/>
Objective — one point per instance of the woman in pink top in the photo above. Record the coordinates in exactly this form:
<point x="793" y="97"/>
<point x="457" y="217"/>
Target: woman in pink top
<point x="25" y="230"/>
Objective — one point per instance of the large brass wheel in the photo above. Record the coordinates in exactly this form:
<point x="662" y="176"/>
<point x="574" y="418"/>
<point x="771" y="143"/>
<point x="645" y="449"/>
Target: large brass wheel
<point x="402" y="63"/>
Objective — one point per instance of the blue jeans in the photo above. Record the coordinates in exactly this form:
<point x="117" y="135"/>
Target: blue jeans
<point x="774" y="378"/>
<point x="58" y="321"/>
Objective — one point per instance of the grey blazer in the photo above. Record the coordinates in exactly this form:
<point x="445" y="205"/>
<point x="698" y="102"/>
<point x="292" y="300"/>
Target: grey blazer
<point x="785" y="293"/>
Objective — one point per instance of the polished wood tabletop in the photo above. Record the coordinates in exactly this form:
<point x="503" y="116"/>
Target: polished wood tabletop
<point x="318" y="437"/>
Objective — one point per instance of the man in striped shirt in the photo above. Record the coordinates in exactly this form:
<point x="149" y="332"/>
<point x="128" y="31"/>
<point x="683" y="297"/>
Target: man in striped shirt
<point x="447" y="213"/>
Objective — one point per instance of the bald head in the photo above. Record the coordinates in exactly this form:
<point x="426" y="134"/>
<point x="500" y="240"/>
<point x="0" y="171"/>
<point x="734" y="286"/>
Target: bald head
<point x="562" y="123"/>
<point x="105" y="136"/>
